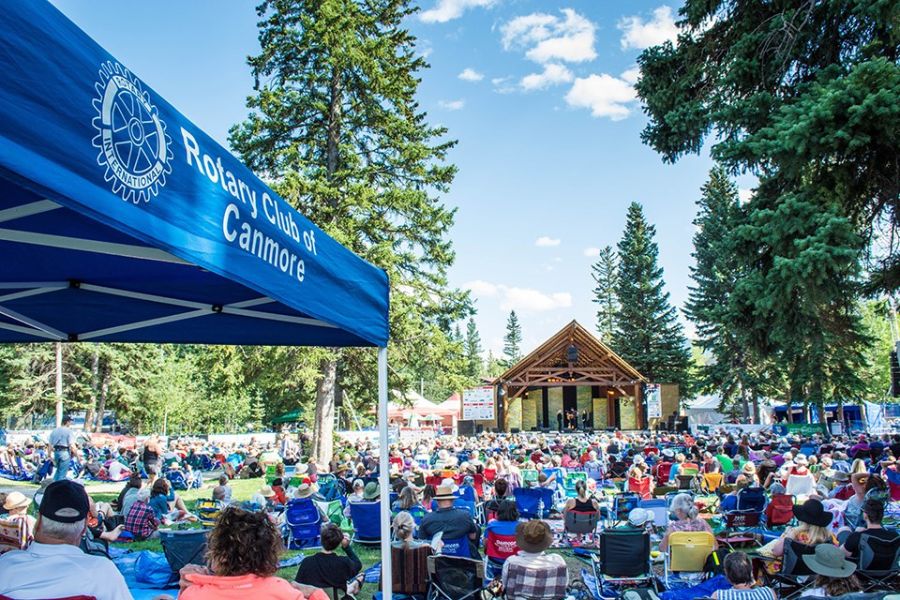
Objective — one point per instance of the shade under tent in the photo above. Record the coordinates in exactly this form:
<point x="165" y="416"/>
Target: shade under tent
<point x="121" y="221"/>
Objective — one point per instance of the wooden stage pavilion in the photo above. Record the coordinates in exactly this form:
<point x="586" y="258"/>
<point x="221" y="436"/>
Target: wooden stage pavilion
<point x="573" y="370"/>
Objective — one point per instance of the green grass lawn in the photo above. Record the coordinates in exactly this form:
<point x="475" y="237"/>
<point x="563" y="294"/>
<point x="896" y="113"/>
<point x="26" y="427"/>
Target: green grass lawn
<point x="243" y="489"/>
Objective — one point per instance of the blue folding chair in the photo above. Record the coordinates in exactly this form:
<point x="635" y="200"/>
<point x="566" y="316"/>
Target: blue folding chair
<point x="303" y="523"/>
<point x="366" y="517"/>
<point x="533" y="503"/>
<point x="177" y="479"/>
<point x="659" y="509"/>
<point x="456" y="547"/>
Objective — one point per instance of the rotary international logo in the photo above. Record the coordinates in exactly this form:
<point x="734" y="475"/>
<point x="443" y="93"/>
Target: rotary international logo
<point x="131" y="138"/>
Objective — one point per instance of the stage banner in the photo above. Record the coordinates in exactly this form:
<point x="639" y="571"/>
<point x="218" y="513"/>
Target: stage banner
<point x="875" y="417"/>
<point x="478" y="404"/>
<point x="732" y="428"/>
<point x="654" y="401"/>
<point x="799" y="428"/>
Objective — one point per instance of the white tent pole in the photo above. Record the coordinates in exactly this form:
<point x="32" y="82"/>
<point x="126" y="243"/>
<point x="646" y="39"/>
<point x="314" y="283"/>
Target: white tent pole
<point x="383" y="475"/>
<point x="59" y="385"/>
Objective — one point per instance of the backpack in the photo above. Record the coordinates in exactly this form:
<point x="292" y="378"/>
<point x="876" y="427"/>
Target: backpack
<point x="715" y="562"/>
<point x="780" y="510"/>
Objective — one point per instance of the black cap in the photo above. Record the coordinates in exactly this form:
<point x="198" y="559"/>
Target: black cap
<point x="65" y="501"/>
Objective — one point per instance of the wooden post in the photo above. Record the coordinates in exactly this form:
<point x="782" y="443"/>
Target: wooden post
<point x="504" y="400"/>
<point x="638" y="408"/>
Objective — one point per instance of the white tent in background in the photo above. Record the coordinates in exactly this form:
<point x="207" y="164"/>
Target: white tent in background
<point x="704" y="410"/>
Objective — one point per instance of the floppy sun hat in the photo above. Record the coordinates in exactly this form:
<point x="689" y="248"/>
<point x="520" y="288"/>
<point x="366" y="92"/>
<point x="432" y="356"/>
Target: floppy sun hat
<point x="829" y="560"/>
<point x="813" y="512"/>
<point x="533" y="536"/>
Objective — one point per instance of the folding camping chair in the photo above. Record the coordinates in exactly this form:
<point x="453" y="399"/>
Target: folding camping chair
<point x="879" y="563"/>
<point x="580" y="523"/>
<point x="497" y="548"/>
<point x="332" y="488"/>
<point x="641" y="486"/>
<point x="794" y="577"/>
<point x="366" y="518"/>
<point x="410" y="571"/>
<point x="662" y="472"/>
<point x="177" y="479"/>
<point x="303" y="523"/>
<point x="533" y="503"/>
<point x="456" y="547"/>
<point x="780" y="510"/>
<point x="183" y="547"/>
<point x="570" y="481"/>
<point x="454" y="578"/>
<point x="660" y="511"/>
<point x="13" y="535"/>
<point x="687" y="552"/>
<point x="800" y="485"/>
<point x="623" y="559"/>
<point x="737" y="525"/>
<point x="208" y="511"/>
<point x="622" y="505"/>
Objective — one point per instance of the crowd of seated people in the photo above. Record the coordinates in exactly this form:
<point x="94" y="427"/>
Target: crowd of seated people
<point x="451" y="494"/>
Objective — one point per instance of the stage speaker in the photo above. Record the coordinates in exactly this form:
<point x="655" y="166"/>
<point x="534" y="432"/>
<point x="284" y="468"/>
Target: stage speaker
<point x="465" y="427"/>
<point x="515" y="430"/>
<point x="479" y="429"/>
<point x="545" y="430"/>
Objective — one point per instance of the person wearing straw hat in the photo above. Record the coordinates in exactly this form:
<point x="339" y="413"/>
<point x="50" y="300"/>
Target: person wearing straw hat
<point x="834" y="573"/>
<point x="453" y="523"/>
<point x="16" y="504"/>
<point x="264" y="498"/>
<point x="532" y="573"/>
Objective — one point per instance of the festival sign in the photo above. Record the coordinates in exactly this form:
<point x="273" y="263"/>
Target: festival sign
<point x="799" y="428"/>
<point x="654" y="401"/>
<point x="478" y="404"/>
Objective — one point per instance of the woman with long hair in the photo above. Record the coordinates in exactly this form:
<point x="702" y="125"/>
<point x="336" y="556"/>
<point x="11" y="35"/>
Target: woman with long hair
<point x="234" y="573"/>
<point x="582" y="502"/>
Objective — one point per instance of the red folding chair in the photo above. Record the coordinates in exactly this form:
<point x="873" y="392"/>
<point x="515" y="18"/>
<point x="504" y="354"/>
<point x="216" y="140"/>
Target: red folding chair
<point x="640" y="486"/>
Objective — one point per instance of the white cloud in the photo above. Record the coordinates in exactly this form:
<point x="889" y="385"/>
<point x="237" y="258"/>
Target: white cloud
<point x="519" y="299"/>
<point x="553" y="74"/>
<point x="590" y="252"/>
<point x="548" y="37"/>
<point x="529" y="300"/>
<point x="639" y="33"/>
<point x="503" y="85"/>
<point x="481" y="288"/>
<point x="452" y="104"/>
<point x="745" y="195"/>
<point x="547" y="242"/>
<point x="470" y="75"/>
<point x="631" y="75"/>
<point x="604" y="95"/>
<point x="447" y="10"/>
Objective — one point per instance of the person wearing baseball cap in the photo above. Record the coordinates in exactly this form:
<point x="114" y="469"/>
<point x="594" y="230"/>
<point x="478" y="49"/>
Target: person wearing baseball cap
<point x="54" y="566"/>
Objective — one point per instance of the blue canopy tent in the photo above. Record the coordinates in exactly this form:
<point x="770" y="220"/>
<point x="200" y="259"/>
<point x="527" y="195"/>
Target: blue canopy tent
<point x="120" y="221"/>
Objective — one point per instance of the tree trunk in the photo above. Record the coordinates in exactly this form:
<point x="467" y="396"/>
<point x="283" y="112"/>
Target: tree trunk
<point x="755" y="395"/>
<point x="334" y="124"/>
<point x="104" y="390"/>
<point x="323" y="431"/>
<point x="95" y="389"/>
<point x="744" y="403"/>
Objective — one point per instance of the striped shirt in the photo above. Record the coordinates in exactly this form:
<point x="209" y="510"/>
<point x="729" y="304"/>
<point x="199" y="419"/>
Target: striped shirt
<point x="757" y="593"/>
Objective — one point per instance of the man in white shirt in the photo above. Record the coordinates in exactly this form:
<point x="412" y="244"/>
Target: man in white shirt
<point x="53" y="566"/>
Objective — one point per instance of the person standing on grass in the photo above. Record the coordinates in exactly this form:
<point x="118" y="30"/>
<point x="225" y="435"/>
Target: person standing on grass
<point x="62" y="440"/>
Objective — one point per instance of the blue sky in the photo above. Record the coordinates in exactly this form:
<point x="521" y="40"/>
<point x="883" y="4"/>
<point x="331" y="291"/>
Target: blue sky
<point x="538" y="94"/>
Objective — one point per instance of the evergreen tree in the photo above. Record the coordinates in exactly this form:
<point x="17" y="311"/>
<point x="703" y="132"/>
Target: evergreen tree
<point x="606" y="275"/>
<point x="806" y="92"/>
<point x="473" y="351"/>
<point x="648" y="334"/>
<point x="335" y="123"/>
<point x="732" y="369"/>
<point x="512" y="341"/>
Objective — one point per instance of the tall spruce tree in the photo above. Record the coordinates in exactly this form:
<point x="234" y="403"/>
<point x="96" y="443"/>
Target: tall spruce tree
<point x="732" y="370"/>
<point x="473" y="351"/>
<point x="512" y="341"/>
<point x="804" y="91"/>
<point x="648" y="334"/>
<point x="606" y="275"/>
<point x="336" y="126"/>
